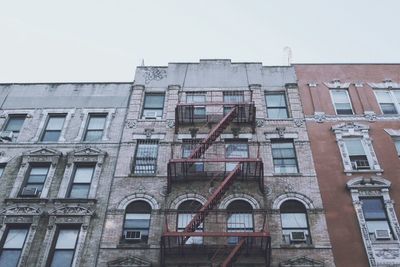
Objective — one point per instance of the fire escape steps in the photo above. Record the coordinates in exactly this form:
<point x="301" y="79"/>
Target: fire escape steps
<point x="233" y="253"/>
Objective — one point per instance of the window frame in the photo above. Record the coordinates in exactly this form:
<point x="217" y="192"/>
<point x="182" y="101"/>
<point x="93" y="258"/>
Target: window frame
<point x="395" y="101"/>
<point x="2" y="168"/>
<point x="143" y="212"/>
<point x="28" y="175"/>
<point x="370" y="167"/>
<point x="155" y="109"/>
<point x="194" y="240"/>
<point x="135" y="160"/>
<point x="76" y="166"/>
<point x="284" y="141"/>
<point x="229" y="166"/>
<point x="5" y="235"/>
<point x="331" y="91"/>
<point x="396" y="142"/>
<point x="9" y="118"/>
<point x="49" y="116"/>
<point x="53" y="248"/>
<point x="306" y="229"/>
<point x="232" y="239"/>
<point x="286" y="107"/>
<point x="95" y="115"/>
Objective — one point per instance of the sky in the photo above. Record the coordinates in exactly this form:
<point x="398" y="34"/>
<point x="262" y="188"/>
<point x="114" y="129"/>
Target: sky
<point x="103" y="41"/>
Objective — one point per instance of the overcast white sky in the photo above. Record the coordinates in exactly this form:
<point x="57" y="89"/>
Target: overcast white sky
<point x="76" y="40"/>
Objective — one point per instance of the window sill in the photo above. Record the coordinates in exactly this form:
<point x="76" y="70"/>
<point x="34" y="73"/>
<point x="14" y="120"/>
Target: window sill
<point x="139" y="175"/>
<point x="129" y="245"/>
<point x="287" y="174"/>
<point x="26" y="200"/>
<point x="75" y="200"/>
<point x="349" y="172"/>
<point x="296" y="246"/>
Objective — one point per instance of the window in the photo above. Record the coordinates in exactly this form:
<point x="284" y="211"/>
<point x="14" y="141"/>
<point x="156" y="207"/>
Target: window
<point x="80" y="186"/>
<point x="294" y="223"/>
<point x="14" y="125"/>
<point x="389" y="101"/>
<point x="53" y="128"/>
<point x="240" y="219"/>
<point x="146" y="157"/>
<point x="34" y="183"/>
<point x="12" y="245"/>
<point x="95" y="127"/>
<point x="276" y="105"/>
<point x="187" y="147"/>
<point x="341" y="101"/>
<point x="396" y="143"/>
<point x="235" y="149"/>
<point x="233" y="97"/>
<point x="356" y="152"/>
<point x="137" y="222"/>
<point x="376" y="218"/>
<point x="153" y="106"/>
<point x="199" y="112"/>
<point x="186" y="212"/>
<point x="2" y="167"/>
<point x="64" y="247"/>
<point x="284" y="157"/>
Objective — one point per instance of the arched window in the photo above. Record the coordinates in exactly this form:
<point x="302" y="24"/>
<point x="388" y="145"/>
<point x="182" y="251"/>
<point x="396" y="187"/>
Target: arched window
<point x="137" y="221"/>
<point x="186" y="212"/>
<point x="240" y="218"/>
<point x="294" y="222"/>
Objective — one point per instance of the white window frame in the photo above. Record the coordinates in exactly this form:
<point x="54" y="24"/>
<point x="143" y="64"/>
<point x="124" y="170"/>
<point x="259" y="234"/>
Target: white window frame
<point x="348" y="98"/>
<point x="393" y="97"/>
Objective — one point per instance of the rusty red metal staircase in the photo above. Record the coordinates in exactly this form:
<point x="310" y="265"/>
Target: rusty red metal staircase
<point x="231" y="257"/>
<point x="213" y="135"/>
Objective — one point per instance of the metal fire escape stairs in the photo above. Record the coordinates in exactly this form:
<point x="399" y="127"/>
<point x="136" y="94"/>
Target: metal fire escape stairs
<point x="198" y="152"/>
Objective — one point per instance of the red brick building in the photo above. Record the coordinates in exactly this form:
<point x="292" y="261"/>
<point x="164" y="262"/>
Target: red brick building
<point x="352" y="117"/>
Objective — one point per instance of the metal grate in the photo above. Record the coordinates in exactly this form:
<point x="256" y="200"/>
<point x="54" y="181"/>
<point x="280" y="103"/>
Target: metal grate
<point x="145" y="161"/>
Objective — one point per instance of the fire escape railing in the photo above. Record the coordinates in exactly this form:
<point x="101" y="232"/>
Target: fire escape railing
<point x="234" y="111"/>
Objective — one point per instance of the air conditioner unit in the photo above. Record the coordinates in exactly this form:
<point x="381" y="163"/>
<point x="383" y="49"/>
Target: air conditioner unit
<point x="298" y="236"/>
<point x="382" y="234"/>
<point x="29" y="192"/>
<point x="6" y="135"/>
<point x="133" y="235"/>
<point x="150" y="114"/>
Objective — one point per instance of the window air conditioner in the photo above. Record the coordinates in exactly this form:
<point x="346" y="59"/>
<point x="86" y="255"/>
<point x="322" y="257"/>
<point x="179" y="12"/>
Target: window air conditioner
<point x="360" y="165"/>
<point x="29" y="192"/>
<point x="298" y="236"/>
<point x="6" y="135"/>
<point x="150" y="114"/>
<point x="382" y="234"/>
<point x="133" y="235"/>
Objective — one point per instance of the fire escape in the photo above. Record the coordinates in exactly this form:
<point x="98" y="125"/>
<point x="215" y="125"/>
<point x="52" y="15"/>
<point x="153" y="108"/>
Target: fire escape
<point x="174" y="243"/>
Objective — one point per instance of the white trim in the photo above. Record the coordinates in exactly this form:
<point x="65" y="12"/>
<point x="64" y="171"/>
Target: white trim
<point x="239" y="196"/>
<point x="307" y="202"/>
<point x="348" y="98"/>
<point x="138" y="196"/>
<point x="392" y="97"/>
<point x="189" y="196"/>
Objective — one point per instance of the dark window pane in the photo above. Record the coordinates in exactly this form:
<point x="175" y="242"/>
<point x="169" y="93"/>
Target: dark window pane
<point x="51" y="136"/>
<point x="96" y="122"/>
<point x="9" y="258"/>
<point x="388" y="108"/>
<point x="154" y="101"/>
<point x="62" y="258"/>
<point x="276" y="100"/>
<point x="94" y="135"/>
<point x="55" y="123"/>
<point x="373" y="208"/>
<point x="15" y="123"/>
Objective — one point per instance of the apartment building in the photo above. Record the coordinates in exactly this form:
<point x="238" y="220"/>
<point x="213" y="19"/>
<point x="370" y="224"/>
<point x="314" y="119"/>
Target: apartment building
<point x="353" y="122"/>
<point x="58" y="148"/>
<point x="215" y="168"/>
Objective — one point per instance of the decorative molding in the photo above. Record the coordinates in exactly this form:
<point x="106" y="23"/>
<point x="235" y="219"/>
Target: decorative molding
<point x="298" y="122"/>
<point x="336" y="84"/>
<point x="393" y="132"/>
<point x="170" y="123"/>
<point x="353" y="117"/>
<point x="188" y="196"/>
<point x="386" y="84"/>
<point x="307" y="202"/>
<point x="281" y="131"/>
<point x="154" y="74"/>
<point x="370" y="116"/>
<point x="130" y="123"/>
<point x="320" y="116"/>
<point x="71" y="211"/>
<point x="260" y="122"/>
<point x="130" y="261"/>
<point x="21" y="211"/>
<point x="302" y="262"/>
<point x="239" y="196"/>
<point x="138" y="196"/>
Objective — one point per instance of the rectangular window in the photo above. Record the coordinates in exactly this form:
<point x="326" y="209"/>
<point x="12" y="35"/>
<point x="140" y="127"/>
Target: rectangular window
<point x="199" y="112"/>
<point x="2" y="167"/>
<point x="341" y="102"/>
<point x="54" y="127"/>
<point x="146" y="157"/>
<point x="12" y="245"/>
<point x="80" y="186"/>
<point x="14" y="125"/>
<point x="233" y="96"/>
<point x="397" y="144"/>
<point x="64" y="247"/>
<point x="187" y="147"/>
<point x="376" y="218"/>
<point x="357" y="155"/>
<point x="153" y="106"/>
<point x="239" y="222"/>
<point x="235" y="149"/>
<point x="387" y="101"/>
<point x="183" y="221"/>
<point x="34" y="183"/>
<point x="95" y="127"/>
<point x="276" y="105"/>
<point x="284" y="157"/>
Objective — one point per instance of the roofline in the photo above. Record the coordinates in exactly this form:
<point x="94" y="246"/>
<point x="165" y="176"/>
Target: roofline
<point x="345" y="64"/>
<point x="55" y="83"/>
